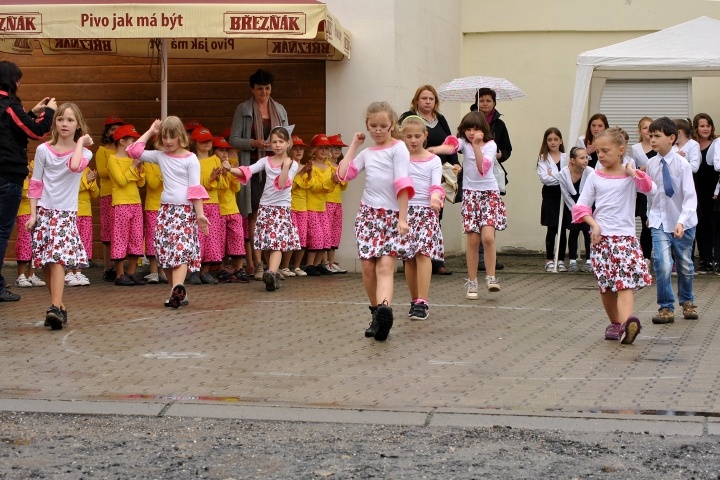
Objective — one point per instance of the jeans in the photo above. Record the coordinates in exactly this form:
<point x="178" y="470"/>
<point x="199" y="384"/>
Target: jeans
<point x="10" y="195"/>
<point x="681" y="248"/>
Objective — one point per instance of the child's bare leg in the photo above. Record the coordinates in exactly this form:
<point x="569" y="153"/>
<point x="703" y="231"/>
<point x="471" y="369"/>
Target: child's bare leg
<point x="274" y="259"/>
<point x="120" y="267"/>
<point x="424" y="272"/>
<point x="286" y="256"/>
<point x="488" y="240"/>
<point x="411" y="277"/>
<point x="132" y="264"/>
<point x="369" y="277"/>
<point x="176" y="275"/>
<point x="610" y="304"/>
<point x="471" y="254"/>
<point x="55" y="278"/>
<point x="331" y="256"/>
<point x="384" y="273"/>
<point x="625" y="304"/>
<point x="297" y="258"/>
<point x="22" y="268"/>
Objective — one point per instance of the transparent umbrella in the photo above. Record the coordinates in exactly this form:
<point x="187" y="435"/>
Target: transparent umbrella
<point x="464" y="89"/>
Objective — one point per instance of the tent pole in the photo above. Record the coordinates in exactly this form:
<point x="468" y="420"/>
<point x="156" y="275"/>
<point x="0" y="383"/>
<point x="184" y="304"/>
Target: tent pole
<point x="164" y="81"/>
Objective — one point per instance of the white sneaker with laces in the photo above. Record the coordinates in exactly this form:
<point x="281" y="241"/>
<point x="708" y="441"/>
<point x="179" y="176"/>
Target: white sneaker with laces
<point x="471" y="289"/>
<point x="35" y="281"/>
<point x="299" y="272"/>
<point x="71" y="280"/>
<point x="259" y="270"/>
<point x="23" y="282"/>
<point x="561" y="266"/>
<point x="492" y="283"/>
<point x="286" y="272"/>
<point x="550" y="267"/>
<point x="84" y="281"/>
<point x="336" y="268"/>
<point x="152" y="278"/>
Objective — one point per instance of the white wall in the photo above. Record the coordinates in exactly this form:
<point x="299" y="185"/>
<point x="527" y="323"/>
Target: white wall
<point x="397" y="45"/>
<point x="536" y="47"/>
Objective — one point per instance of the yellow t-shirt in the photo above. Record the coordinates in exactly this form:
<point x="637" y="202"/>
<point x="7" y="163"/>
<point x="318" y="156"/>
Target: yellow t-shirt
<point x="227" y="194"/>
<point x="153" y="186"/>
<point x="320" y="184"/>
<point x="335" y="196"/>
<point x="125" y="179"/>
<point x="101" y="164"/>
<point x="299" y="193"/>
<point x="88" y="190"/>
<point x="206" y="167"/>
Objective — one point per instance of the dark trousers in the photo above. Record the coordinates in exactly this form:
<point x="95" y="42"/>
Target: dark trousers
<point x="550" y="243"/>
<point x="706" y="229"/>
<point x="10" y="196"/>
<point x="573" y="238"/>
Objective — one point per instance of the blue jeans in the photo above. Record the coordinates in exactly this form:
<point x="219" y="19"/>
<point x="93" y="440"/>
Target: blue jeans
<point x="10" y="195"/>
<point x="662" y="244"/>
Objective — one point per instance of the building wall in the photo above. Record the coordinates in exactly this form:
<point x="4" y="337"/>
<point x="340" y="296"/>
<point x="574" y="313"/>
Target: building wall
<point x="536" y="47"/>
<point x="398" y="45"/>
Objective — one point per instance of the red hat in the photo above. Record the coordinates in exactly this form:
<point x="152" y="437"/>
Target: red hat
<point x="297" y="141"/>
<point x="114" y="120"/>
<point x="220" y="142"/>
<point x="201" y="134"/>
<point x="226" y="133"/>
<point x="125" y="131"/>
<point x="336" y="141"/>
<point x="191" y="125"/>
<point x="320" y="140"/>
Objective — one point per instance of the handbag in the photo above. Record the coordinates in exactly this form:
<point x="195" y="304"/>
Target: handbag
<point x="499" y="174"/>
<point x="449" y="182"/>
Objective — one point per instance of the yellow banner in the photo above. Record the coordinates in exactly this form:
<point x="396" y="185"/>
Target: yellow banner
<point x="101" y="27"/>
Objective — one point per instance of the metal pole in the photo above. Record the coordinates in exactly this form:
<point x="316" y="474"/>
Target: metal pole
<point x="557" y="237"/>
<point x="164" y="82"/>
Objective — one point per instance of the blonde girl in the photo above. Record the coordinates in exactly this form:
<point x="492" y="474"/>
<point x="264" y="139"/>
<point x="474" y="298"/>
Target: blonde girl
<point x="425" y="238"/>
<point x="181" y="211"/>
<point x="230" y="217"/>
<point x="334" y="204"/>
<point x="573" y="178"/>
<point x="616" y="256"/>
<point x="298" y="209"/>
<point x="274" y="230"/>
<point x="53" y="193"/>
<point x="483" y="210"/>
<point x="320" y="184"/>
<point x="381" y="223"/>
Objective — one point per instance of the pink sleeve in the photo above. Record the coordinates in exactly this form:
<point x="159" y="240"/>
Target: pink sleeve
<point x="486" y="166"/>
<point x="401" y="184"/>
<point x="135" y="150"/>
<point x="246" y="175"/>
<point x="351" y="173"/>
<point x="579" y="212"/>
<point x="277" y="186"/>
<point x="83" y="163"/>
<point x="453" y="142"/>
<point x="35" y="189"/>
<point x="197" y="192"/>
<point x="643" y="181"/>
<point x="438" y="189"/>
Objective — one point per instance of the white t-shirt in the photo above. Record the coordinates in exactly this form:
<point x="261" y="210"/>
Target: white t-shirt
<point x="425" y="173"/>
<point x="272" y="196"/>
<point x="472" y="180"/>
<point x="383" y="167"/>
<point x="60" y="184"/>
<point x="179" y="173"/>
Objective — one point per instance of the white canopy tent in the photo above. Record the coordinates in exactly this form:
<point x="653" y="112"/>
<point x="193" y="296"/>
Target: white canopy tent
<point x="690" y="49"/>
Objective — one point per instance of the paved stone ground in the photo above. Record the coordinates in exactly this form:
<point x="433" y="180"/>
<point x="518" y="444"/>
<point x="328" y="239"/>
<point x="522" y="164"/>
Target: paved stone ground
<point x="536" y="346"/>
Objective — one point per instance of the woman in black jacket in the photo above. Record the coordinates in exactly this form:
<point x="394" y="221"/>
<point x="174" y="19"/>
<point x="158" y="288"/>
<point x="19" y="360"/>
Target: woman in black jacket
<point x="16" y="127"/>
<point x="426" y="105"/>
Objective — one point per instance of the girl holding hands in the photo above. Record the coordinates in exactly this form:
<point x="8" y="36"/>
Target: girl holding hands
<point x="381" y="222"/>
<point x="181" y="203"/>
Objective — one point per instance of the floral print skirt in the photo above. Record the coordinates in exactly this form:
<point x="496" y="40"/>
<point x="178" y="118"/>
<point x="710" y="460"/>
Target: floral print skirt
<point x="56" y="239"/>
<point x="377" y="233"/>
<point x="176" y="237"/>
<point x="274" y="230"/>
<point x="618" y="264"/>
<point x="425" y="237"/>
<point x="482" y="208"/>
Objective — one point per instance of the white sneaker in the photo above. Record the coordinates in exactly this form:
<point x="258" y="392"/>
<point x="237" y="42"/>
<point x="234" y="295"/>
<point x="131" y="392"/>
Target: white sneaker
<point x="21" y="281"/>
<point x="561" y="266"/>
<point x="71" y="280"/>
<point x="259" y="273"/>
<point x="84" y="281"/>
<point x="35" y="281"/>
<point x="336" y="268"/>
<point x="550" y="267"/>
<point x="492" y="283"/>
<point x="471" y="289"/>
<point x="152" y="278"/>
<point x="299" y="272"/>
<point x="286" y="272"/>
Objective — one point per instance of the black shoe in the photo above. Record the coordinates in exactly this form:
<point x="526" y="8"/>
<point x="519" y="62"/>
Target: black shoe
<point x="324" y="270"/>
<point x="138" y="279"/>
<point x="54" y="318"/>
<point x="312" y="271"/>
<point x="178" y="296"/>
<point x="241" y="276"/>
<point x="124" y="280"/>
<point x="278" y="280"/>
<point x="370" y="331"/>
<point x="7" y="296"/>
<point x="499" y="266"/>
<point x="412" y="308"/>
<point x="208" y="279"/>
<point x="195" y="279"/>
<point x="384" y="317"/>
<point x="270" y="281"/>
<point x="420" y="311"/>
<point x="110" y="275"/>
